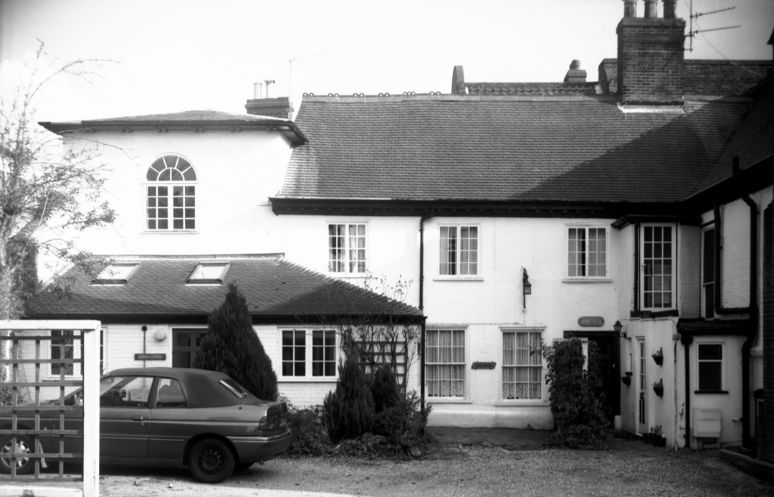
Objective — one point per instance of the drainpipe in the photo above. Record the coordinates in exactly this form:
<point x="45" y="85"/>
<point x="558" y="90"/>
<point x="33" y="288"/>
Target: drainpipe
<point x="686" y="339"/>
<point x="422" y="308"/>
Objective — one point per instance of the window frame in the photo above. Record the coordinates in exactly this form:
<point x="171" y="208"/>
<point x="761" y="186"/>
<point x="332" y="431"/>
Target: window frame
<point x="309" y="360"/>
<point x="708" y="269"/>
<point x="224" y="268"/>
<point x="77" y="366"/>
<point x="170" y="197"/>
<point x="347" y="249"/>
<point x="586" y="265"/>
<point x="673" y="268"/>
<point x="458" y="252"/>
<point x="515" y="331"/>
<point x="464" y="364"/>
<point x="720" y="362"/>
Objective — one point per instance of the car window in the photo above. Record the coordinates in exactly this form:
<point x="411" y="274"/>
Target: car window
<point x="235" y="388"/>
<point x="125" y="391"/>
<point x="170" y="394"/>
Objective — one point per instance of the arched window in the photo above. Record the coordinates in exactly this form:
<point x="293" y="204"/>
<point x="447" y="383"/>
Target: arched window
<point x="171" y="201"/>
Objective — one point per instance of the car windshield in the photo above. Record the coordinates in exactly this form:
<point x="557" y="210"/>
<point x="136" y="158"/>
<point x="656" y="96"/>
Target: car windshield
<point x="235" y="388"/>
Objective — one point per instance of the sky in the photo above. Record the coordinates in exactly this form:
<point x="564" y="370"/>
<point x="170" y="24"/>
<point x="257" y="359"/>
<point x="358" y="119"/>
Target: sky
<point x="172" y="55"/>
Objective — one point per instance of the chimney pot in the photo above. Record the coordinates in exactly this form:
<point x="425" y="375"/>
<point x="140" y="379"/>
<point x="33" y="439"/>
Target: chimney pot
<point x="630" y="8"/>
<point x="575" y="74"/>
<point x="670" y="9"/>
<point x="651" y="9"/>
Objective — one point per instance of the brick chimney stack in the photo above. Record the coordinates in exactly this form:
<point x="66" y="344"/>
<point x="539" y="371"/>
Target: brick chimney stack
<point x="650" y="55"/>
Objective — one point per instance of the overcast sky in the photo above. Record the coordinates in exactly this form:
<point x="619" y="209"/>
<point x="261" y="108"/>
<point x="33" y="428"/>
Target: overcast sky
<point x="174" y="55"/>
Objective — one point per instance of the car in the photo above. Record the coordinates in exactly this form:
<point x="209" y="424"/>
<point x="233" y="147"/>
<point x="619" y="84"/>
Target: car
<point x="180" y="417"/>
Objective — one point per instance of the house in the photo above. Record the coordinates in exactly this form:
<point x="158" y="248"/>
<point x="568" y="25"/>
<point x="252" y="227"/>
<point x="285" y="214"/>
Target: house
<point x="627" y="211"/>
<point x="191" y="194"/>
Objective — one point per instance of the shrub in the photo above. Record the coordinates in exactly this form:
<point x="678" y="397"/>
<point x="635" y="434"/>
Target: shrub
<point x="348" y="411"/>
<point x="307" y="434"/>
<point x="385" y="389"/>
<point x="232" y="346"/>
<point x="403" y="424"/>
<point x="576" y="396"/>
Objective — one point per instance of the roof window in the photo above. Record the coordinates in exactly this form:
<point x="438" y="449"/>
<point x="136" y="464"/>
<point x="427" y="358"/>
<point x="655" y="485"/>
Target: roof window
<point x="209" y="273"/>
<point x="116" y="274"/>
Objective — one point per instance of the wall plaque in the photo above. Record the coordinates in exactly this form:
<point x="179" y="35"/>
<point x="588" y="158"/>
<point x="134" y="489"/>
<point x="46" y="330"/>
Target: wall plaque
<point x="591" y="321"/>
<point x="483" y="365"/>
<point x="150" y="357"/>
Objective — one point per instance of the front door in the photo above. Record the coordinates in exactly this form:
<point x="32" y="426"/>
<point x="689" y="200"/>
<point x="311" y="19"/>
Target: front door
<point x="185" y="346"/>
<point x="609" y="366"/>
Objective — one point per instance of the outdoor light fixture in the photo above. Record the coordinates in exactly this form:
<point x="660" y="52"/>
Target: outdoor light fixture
<point x="526" y="286"/>
<point x="618" y="328"/>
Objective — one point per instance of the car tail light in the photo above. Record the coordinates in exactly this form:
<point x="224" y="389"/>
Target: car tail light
<point x="276" y="419"/>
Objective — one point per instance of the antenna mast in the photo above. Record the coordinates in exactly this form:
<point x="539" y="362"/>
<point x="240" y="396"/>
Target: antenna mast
<point x="692" y="33"/>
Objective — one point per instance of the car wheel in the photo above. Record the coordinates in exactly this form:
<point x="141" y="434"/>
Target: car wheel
<point x="24" y="465"/>
<point x="211" y="461"/>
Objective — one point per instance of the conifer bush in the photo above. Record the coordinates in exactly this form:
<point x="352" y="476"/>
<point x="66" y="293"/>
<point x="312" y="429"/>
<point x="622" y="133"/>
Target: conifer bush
<point x="348" y="411"/>
<point x="232" y="347"/>
<point x="576" y="396"/>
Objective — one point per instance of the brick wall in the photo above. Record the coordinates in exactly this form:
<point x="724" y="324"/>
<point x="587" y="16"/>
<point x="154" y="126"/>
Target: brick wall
<point x="766" y="435"/>
<point x="650" y="60"/>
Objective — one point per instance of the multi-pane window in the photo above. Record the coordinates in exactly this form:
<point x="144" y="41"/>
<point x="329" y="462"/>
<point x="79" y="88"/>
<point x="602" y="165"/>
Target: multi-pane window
<point x="522" y="365"/>
<point x="63" y="348"/>
<point x="657" y="265"/>
<point x="171" y="194"/>
<point x="445" y="363"/>
<point x="710" y="367"/>
<point x="587" y="252"/>
<point x="347" y="248"/>
<point x="459" y="251"/>
<point x="298" y="358"/>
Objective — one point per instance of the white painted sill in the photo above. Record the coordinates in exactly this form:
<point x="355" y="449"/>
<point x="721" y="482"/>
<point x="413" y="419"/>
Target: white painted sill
<point x="458" y="278"/>
<point x="442" y="400"/>
<point x="297" y="379"/>
<point x="584" y="281"/>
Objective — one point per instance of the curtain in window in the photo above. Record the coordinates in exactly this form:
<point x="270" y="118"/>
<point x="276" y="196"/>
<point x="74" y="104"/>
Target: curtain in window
<point x="445" y="363"/>
<point x="522" y="365"/>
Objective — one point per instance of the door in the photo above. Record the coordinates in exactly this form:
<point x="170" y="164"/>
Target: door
<point x="642" y="386"/>
<point x="125" y="416"/>
<point x="185" y="346"/>
<point x="608" y="348"/>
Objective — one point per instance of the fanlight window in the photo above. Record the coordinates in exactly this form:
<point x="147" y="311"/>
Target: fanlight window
<point x="171" y="194"/>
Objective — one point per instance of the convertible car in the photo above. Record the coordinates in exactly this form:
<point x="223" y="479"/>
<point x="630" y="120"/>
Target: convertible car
<point x="193" y="418"/>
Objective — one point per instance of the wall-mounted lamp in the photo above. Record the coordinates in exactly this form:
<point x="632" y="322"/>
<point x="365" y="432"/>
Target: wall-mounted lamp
<point x="160" y="334"/>
<point x="618" y="328"/>
<point x="526" y="286"/>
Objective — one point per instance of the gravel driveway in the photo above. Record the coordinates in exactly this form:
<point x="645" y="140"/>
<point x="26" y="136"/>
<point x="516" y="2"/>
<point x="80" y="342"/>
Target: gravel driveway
<point x="628" y="468"/>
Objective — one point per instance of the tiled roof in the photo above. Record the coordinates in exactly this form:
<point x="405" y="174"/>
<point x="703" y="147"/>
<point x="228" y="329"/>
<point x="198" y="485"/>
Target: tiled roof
<point x="273" y="288"/>
<point x="753" y="141"/>
<point x="568" y="149"/>
<point x="530" y="89"/>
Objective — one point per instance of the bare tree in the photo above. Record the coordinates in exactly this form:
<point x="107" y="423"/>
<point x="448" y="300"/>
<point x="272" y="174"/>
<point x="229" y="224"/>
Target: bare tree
<point x="49" y="192"/>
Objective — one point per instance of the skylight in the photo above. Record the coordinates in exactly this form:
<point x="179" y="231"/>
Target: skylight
<point x="209" y="272"/>
<point x="116" y="273"/>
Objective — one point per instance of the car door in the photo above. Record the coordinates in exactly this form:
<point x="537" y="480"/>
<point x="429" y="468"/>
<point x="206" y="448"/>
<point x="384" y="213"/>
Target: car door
<point x="173" y="421"/>
<point x="125" y="416"/>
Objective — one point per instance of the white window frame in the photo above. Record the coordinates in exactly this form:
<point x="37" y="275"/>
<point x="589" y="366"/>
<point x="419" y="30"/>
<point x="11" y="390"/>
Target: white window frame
<point x="514" y="331"/>
<point x="721" y="361"/>
<point x="347" y="249"/>
<point x="170" y="198"/>
<point x="76" y="355"/>
<point x="201" y="276"/>
<point x="309" y="355"/>
<point x="587" y="254"/>
<point x="673" y="275"/>
<point x="458" y="251"/>
<point x="116" y="273"/>
<point x="463" y="364"/>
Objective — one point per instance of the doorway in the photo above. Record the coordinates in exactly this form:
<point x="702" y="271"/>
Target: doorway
<point x="608" y="347"/>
